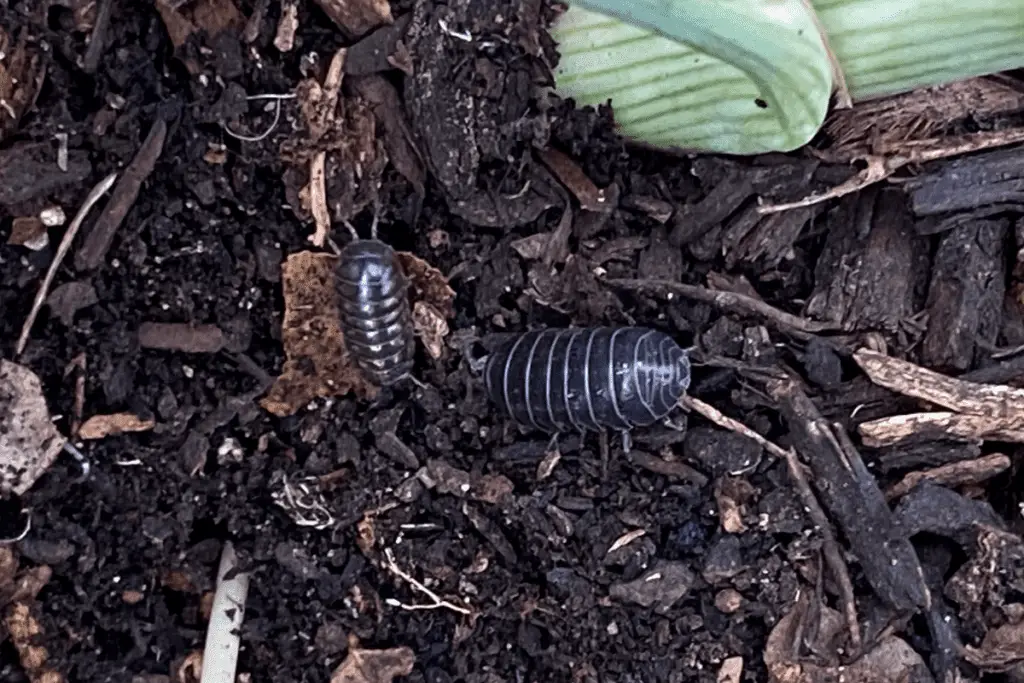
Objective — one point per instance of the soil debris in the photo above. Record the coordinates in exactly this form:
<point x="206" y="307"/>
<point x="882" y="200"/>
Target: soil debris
<point x="590" y="197"/>
<point x="29" y="232"/>
<point x="317" y="363"/>
<point x="69" y="298"/>
<point x="427" y="284"/>
<point x="29" y="442"/>
<point x="373" y="666"/>
<point x="22" y="73"/>
<point x="102" y="426"/>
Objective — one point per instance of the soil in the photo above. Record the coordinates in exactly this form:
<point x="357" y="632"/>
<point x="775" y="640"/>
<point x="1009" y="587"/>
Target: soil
<point x="472" y="505"/>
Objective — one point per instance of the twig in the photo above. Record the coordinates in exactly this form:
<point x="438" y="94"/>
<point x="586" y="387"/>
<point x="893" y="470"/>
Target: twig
<point x="96" y="244"/>
<point x="98" y="39"/>
<point x="833" y="555"/>
<point x="732" y="301"/>
<point x="953" y="474"/>
<point x="318" y="198"/>
<point x="24" y="532"/>
<point x="62" y="251"/>
<point x="437" y="601"/>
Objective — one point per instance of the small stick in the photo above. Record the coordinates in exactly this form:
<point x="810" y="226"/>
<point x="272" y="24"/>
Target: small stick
<point x="99" y="36"/>
<point x="733" y="301"/>
<point x="94" y="248"/>
<point x="953" y="474"/>
<point x="318" y="198"/>
<point x="833" y="556"/>
<point x="437" y="601"/>
<point x="62" y="251"/>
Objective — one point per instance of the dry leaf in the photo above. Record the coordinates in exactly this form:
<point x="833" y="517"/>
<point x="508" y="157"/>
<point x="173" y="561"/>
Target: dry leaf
<point x="100" y="426"/>
<point x="428" y="284"/>
<point x="430" y="327"/>
<point x="373" y="666"/>
<point x="29" y="443"/>
<point x="317" y="363"/>
<point x="731" y="671"/>
<point x="590" y="197"/>
<point x="1002" y="648"/>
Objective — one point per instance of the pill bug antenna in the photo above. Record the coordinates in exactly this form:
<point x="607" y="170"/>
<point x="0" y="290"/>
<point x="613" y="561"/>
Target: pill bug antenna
<point x="412" y="378"/>
<point x="627" y="441"/>
<point x="351" y="229"/>
<point x="374" y="225"/>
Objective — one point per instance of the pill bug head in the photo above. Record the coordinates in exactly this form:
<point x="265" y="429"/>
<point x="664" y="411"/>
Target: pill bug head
<point x="370" y="262"/>
<point x="662" y="374"/>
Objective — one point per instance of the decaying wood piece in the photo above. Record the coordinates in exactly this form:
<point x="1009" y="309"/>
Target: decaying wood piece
<point x="975" y="411"/>
<point x="766" y="240"/>
<point x="922" y="427"/>
<point x="907" y="378"/>
<point x="954" y="474"/>
<point x="965" y="297"/>
<point x="969" y="182"/>
<point x="930" y="454"/>
<point x="871" y="264"/>
<point x="852" y="496"/>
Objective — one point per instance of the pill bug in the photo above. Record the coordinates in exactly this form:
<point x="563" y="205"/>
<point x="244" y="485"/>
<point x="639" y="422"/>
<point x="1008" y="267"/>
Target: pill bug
<point x="588" y="378"/>
<point x="373" y="303"/>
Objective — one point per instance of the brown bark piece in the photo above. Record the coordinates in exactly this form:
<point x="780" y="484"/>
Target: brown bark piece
<point x="965" y="298"/>
<point x="870" y="266"/>
<point x="317" y="363"/>
<point x="590" y="197"/>
<point x="100" y="426"/>
<point x="98" y="240"/>
<point x="953" y="474"/>
<point x="989" y="400"/>
<point x="768" y="239"/>
<point x="923" y="427"/>
<point x="969" y="182"/>
<point x="22" y="72"/>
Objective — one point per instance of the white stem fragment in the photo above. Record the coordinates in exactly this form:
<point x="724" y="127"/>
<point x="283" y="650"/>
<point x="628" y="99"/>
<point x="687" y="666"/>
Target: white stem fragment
<point x="220" y="656"/>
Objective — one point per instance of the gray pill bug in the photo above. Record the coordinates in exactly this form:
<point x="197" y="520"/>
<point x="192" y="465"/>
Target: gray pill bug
<point x="373" y="303"/>
<point x="557" y="380"/>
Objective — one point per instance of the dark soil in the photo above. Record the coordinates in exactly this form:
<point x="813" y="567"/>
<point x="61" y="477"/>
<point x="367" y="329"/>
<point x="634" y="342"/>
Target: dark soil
<point x="134" y="547"/>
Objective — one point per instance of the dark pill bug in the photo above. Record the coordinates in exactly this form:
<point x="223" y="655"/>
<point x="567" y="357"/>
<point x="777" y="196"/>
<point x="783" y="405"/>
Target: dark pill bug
<point x="588" y="378"/>
<point x="376" y="318"/>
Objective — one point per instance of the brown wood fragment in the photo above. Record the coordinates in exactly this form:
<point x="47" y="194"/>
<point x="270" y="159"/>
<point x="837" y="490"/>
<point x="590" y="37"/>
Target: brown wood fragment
<point x="101" y="426"/>
<point x="764" y="239"/>
<point x="181" y="337"/>
<point x="930" y="454"/>
<point x="667" y="468"/>
<point x="954" y="474"/>
<point x="968" y="182"/>
<point x="965" y="298"/>
<point x="590" y="197"/>
<point x="98" y="240"/>
<point x="923" y="427"/>
<point x="22" y="72"/>
<point x="870" y="266"/>
<point x="989" y="400"/>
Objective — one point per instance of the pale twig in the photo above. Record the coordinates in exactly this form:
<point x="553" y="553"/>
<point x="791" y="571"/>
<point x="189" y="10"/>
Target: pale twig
<point x="437" y="601"/>
<point x="264" y="134"/>
<point x="62" y="251"/>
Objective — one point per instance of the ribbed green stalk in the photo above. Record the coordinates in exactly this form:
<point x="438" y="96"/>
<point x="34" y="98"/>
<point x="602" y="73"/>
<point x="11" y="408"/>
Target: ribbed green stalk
<point x="751" y="76"/>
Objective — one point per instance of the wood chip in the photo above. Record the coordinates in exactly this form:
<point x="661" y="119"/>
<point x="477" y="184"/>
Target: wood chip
<point x="961" y="473"/>
<point x="317" y="363"/>
<point x="590" y="197"/>
<point x="427" y="284"/>
<point x="430" y="326"/>
<point x="922" y="427"/>
<point x="373" y="666"/>
<point x="101" y="426"/>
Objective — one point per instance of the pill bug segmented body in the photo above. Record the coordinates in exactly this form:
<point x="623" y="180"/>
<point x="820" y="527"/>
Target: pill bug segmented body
<point x="376" y="318"/>
<point x="588" y="378"/>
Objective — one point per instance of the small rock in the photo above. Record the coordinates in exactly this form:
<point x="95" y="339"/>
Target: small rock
<point x="663" y="586"/>
<point x="728" y="601"/>
<point x="720" y="451"/>
<point x="296" y="560"/>
<point x="393" y="447"/>
<point x="724" y="560"/>
<point x="69" y="298"/>
<point x="46" y="552"/>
